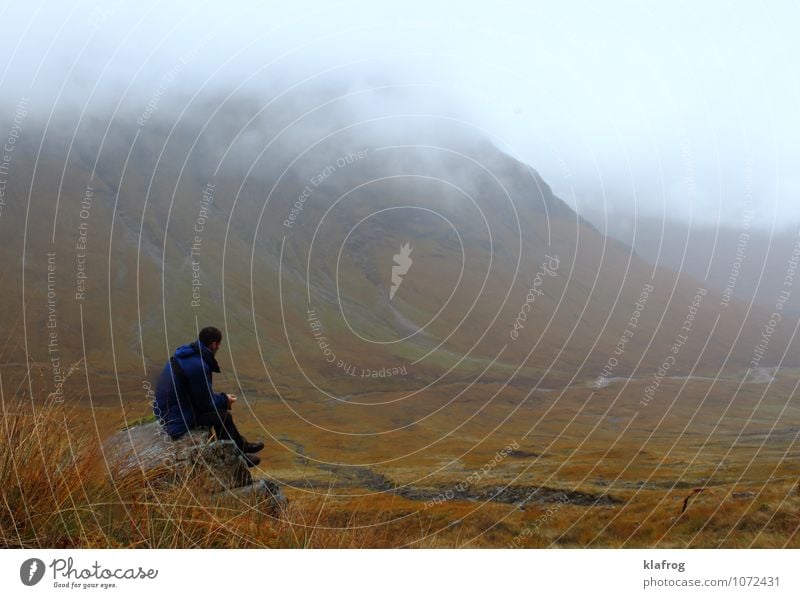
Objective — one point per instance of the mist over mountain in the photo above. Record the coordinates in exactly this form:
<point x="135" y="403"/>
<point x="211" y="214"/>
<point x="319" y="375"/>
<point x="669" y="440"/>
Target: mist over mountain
<point x="280" y="218"/>
<point x="747" y="261"/>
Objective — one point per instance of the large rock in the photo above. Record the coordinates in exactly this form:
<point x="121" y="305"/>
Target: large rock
<point x="213" y="466"/>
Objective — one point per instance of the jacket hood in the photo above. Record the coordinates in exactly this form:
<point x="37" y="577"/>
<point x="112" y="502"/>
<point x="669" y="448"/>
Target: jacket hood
<point x="186" y="350"/>
<point x="191" y="349"/>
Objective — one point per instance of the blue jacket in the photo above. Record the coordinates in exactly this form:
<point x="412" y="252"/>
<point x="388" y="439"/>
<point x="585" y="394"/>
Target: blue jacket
<point x="179" y="395"/>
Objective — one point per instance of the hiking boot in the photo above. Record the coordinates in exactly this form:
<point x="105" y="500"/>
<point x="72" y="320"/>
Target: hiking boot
<point x="251" y="460"/>
<point x="253" y="447"/>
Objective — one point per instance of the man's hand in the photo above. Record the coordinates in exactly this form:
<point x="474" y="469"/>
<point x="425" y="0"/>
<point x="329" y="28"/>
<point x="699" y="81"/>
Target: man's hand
<point x="231" y="400"/>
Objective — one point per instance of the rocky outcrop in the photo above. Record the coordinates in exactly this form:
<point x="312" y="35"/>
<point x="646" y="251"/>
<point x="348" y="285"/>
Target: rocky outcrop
<point x="213" y="466"/>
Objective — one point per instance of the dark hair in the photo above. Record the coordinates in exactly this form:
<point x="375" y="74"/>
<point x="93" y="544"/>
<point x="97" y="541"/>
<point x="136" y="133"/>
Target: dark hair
<point x="209" y="335"/>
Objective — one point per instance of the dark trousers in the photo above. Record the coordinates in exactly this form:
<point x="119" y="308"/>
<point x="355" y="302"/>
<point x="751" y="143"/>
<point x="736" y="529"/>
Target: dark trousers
<point x="222" y="422"/>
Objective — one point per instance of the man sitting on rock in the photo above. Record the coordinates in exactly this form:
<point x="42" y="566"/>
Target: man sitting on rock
<point x="185" y="398"/>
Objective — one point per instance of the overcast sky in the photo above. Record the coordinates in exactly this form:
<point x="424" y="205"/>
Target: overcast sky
<point x="624" y="107"/>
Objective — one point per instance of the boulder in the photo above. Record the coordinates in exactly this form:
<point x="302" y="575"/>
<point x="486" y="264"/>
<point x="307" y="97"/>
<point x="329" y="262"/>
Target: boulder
<point x="214" y="466"/>
<point x="259" y="491"/>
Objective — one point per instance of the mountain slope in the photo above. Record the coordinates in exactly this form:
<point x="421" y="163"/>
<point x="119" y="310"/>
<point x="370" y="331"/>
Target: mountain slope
<point x="282" y="236"/>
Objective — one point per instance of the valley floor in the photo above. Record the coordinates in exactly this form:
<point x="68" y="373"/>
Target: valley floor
<point x="706" y="463"/>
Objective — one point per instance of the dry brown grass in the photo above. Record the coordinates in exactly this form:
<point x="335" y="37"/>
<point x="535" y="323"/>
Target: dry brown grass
<point x="54" y="493"/>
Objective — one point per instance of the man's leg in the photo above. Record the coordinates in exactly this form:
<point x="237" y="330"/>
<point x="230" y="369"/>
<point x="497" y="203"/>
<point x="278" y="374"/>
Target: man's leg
<point x="224" y="428"/>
